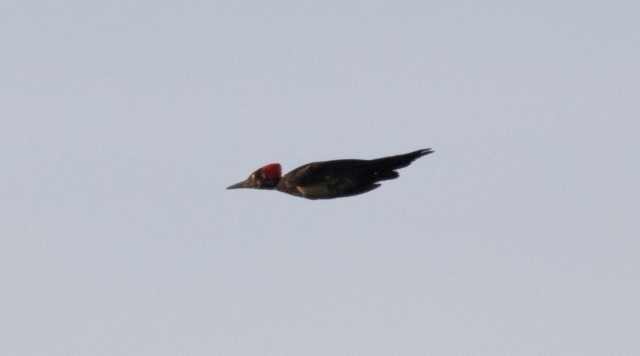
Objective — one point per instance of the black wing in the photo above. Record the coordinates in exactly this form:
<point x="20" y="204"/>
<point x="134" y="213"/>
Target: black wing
<point x="361" y="171"/>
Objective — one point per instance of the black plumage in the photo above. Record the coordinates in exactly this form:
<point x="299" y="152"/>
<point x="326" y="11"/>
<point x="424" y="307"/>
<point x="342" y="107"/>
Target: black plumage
<point x="333" y="179"/>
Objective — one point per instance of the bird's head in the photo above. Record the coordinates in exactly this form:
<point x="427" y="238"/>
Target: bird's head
<point x="266" y="177"/>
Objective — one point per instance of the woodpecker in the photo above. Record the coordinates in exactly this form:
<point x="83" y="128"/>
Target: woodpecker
<point x="330" y="179"/>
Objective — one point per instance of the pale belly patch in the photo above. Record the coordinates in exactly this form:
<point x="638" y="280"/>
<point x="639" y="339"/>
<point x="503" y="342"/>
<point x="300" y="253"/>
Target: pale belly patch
<point x="316" y="191"/>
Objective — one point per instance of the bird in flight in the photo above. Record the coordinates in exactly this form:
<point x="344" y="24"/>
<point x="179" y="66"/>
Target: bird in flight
<point x="330" y="179"/>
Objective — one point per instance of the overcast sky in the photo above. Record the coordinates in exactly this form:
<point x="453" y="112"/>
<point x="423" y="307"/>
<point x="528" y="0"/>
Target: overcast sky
<point x="124" y="121"/>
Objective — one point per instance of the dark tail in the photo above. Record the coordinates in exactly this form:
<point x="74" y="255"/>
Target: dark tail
<point x="400" y="161"/>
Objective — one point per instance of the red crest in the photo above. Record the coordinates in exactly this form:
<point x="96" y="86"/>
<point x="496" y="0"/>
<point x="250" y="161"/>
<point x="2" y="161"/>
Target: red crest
<point x="272" y="171"/>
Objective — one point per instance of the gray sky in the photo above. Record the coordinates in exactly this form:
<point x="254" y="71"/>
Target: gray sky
<point x="123" y="122"/>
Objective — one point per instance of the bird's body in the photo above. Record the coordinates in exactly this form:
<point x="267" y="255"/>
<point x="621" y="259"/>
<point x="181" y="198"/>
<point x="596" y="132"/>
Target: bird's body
<point x="331" y="179"/>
